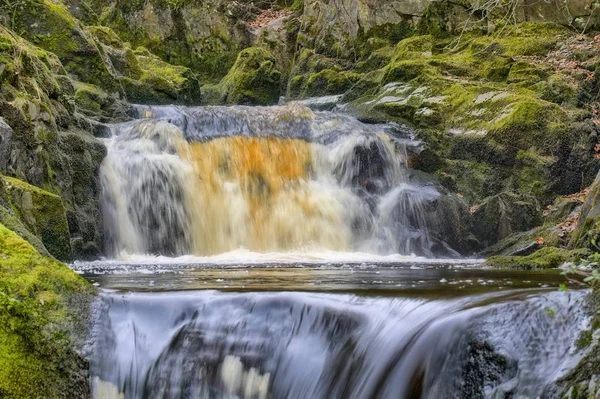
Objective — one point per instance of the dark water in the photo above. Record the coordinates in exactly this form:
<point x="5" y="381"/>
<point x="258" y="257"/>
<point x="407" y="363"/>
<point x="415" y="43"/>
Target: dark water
<point x="393" y="330"/>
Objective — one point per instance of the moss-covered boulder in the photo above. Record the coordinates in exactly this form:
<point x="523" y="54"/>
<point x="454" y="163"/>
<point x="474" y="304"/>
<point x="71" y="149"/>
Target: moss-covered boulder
<point x="160" y="82"/>
<point x="503" y="214"/>
<point x="495" y="111"/>
<point x="253" y="80"/>
<point x="545" y="258"/>
<point x="43" y="214"/>
<point x="204" y="35"/>
<point x="42" y="323"/>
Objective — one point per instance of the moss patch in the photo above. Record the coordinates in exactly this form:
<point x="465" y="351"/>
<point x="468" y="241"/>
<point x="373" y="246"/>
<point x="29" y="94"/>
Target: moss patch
<point x="545" y="258"/>
<point x="36" y="354"/>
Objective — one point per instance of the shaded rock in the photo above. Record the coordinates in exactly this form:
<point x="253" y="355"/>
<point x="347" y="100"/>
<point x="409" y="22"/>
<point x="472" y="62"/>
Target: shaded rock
<point x="5" y="145"/>
<point x="588" y="228"/>
<point x="81" y="155"/>
<point x="503" y="214"/>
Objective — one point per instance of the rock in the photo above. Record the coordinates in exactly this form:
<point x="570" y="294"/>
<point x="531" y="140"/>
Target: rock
<point x="253" y="80"/>
<point x="161" y="83"/>
<point x="82" y="155"/>
<point x="588" y="227"/>
<point x="324" y="83"/>
<point x="202" y="35"/>
<point x="49" y="25"/>
<point x="43" y="214"/>
<point x="501" y="215"/>
<point x="5" y="145"/>
<point x="45" y="304"/>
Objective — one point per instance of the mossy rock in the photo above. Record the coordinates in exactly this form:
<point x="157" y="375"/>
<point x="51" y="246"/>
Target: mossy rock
<point x="49" y="25"/>
<point x="531" y="124"/>
<point x="160" y="82"/>
<point x="499" y="216"/>
<point x="44" y="215"/>
<point x="91" y="99"/>
<point x="323" y="83"/>
<point x="587" y="233"/>
<point x="253" y="80"/>
<point x="42" y="322"/>
<point x="545" y="258"/>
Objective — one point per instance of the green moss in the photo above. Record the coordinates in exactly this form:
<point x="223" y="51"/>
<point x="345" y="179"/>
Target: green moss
<point x="253" y="79"/>
<point x="90" y="99"/>
<point x="531" y="124"/>
<point x="105" y="35"/>
<point x="49" y="25"/>
<point x="323" y="83"/>
<point x="545" y="258"/>
<point x="525" y="74"/>
<point x="160" y="82"/>
<point x="44" y="215"/>
<point x="12" y="222"/>
<point x="529" y="38"/>
<point x="37" y="357"/>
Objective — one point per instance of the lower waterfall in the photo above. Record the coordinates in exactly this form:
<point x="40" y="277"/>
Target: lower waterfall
<point x="300" y="345"/>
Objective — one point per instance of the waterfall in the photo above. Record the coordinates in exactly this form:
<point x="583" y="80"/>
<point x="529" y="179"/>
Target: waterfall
<point x="210" y="180"/>
<point x="295" y="345"/>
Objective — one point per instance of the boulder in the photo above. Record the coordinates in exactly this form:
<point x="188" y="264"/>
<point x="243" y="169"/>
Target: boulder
<point x="253" y="80"/>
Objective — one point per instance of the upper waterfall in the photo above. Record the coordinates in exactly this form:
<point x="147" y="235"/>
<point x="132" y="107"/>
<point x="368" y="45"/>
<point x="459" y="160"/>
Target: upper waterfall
<point x="208" y="180"/>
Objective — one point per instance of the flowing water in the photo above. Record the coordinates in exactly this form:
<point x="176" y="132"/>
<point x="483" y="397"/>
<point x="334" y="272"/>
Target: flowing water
<point x="280" y="252"/>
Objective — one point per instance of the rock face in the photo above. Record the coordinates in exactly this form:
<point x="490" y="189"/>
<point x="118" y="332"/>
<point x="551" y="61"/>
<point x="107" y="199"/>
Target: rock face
<point x="43" y="214"/>
<point x="203" y="35"/>
<point x="503" y="214"/>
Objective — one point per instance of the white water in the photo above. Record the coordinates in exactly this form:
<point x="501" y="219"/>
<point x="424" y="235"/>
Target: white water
<point x="300" y="345"/>
<point x="214" y="180"/>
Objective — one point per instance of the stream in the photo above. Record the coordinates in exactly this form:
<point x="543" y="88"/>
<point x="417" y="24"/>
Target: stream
<point x="295" y="255"/>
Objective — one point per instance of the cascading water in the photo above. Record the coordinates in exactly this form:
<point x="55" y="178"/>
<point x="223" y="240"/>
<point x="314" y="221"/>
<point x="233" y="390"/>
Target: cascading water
<point x="288" y="184"/>
<point x="210" y="180"/>
<point x="293" y="345"/>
